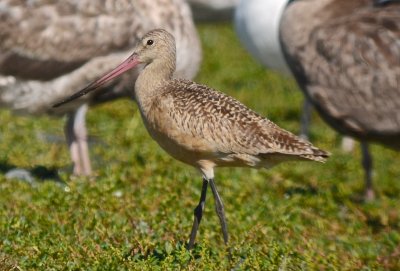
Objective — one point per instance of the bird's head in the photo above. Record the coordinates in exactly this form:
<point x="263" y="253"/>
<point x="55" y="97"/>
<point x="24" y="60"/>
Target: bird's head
<point x="156" y="46"/>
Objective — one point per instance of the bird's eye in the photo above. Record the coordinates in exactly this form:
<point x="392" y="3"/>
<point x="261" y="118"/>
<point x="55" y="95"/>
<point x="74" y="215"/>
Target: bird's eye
<point x="150" y="42"/>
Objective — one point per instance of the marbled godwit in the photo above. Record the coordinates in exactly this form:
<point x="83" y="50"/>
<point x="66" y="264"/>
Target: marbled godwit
<point x="49" y="48"/>
<point x="345" y="56"/>
<point x="201" y="126"/>
<point x="260" y="36"/>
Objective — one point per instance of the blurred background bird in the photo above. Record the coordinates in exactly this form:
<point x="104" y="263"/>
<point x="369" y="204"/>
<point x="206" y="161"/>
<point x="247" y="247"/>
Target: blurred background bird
<point x="50" y="49"/>
<point x="345" y="56"/>
<point x="259" y="34"/>
<point x="213" y="10"/>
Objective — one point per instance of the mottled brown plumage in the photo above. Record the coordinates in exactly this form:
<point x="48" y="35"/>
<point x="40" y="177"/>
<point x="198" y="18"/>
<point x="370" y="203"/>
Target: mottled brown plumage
<point x="345" y="56"/>
<point x="201" y="126"/>
<point x="48" y="49"/>
<point x="218" y="128"/>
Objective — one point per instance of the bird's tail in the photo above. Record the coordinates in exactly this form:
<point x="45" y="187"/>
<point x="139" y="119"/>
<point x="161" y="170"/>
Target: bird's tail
<point x="316" y="155"/>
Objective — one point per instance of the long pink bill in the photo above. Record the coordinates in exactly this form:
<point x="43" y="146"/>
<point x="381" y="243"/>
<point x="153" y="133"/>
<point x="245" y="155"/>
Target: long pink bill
<point x="128" y="64"/>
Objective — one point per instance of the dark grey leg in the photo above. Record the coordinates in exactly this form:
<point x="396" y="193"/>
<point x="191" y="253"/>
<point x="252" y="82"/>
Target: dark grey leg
<point x="367" y="164"/>
<point x="198" y="213"/>
<point x="219" y="208"/>
<point x="305" y="119"/>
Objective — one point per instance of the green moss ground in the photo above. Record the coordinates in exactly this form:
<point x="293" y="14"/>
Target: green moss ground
<point x="137" y="214"/>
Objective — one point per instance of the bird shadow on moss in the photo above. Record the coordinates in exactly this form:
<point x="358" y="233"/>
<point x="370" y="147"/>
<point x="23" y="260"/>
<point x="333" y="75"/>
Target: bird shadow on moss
<point x="302" y="190"/>
<point x="178" y="253"/>
<point x="36" y="174"/>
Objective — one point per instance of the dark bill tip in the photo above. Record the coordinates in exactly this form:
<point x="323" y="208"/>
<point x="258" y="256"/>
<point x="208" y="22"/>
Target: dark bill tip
<point x="128" y="64"/>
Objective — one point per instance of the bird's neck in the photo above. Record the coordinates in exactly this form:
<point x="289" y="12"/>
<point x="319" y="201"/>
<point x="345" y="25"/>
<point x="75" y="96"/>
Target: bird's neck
<point x="150" y="81"/>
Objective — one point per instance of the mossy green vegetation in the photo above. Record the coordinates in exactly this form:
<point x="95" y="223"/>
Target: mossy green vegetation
<point x="136" y="214"/>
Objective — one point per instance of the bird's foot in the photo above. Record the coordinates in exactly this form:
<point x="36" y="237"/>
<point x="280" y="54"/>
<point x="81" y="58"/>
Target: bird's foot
<point x="369" y="195"/>
<point x="347" y="144"/>
<point x="303" y="136"/>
